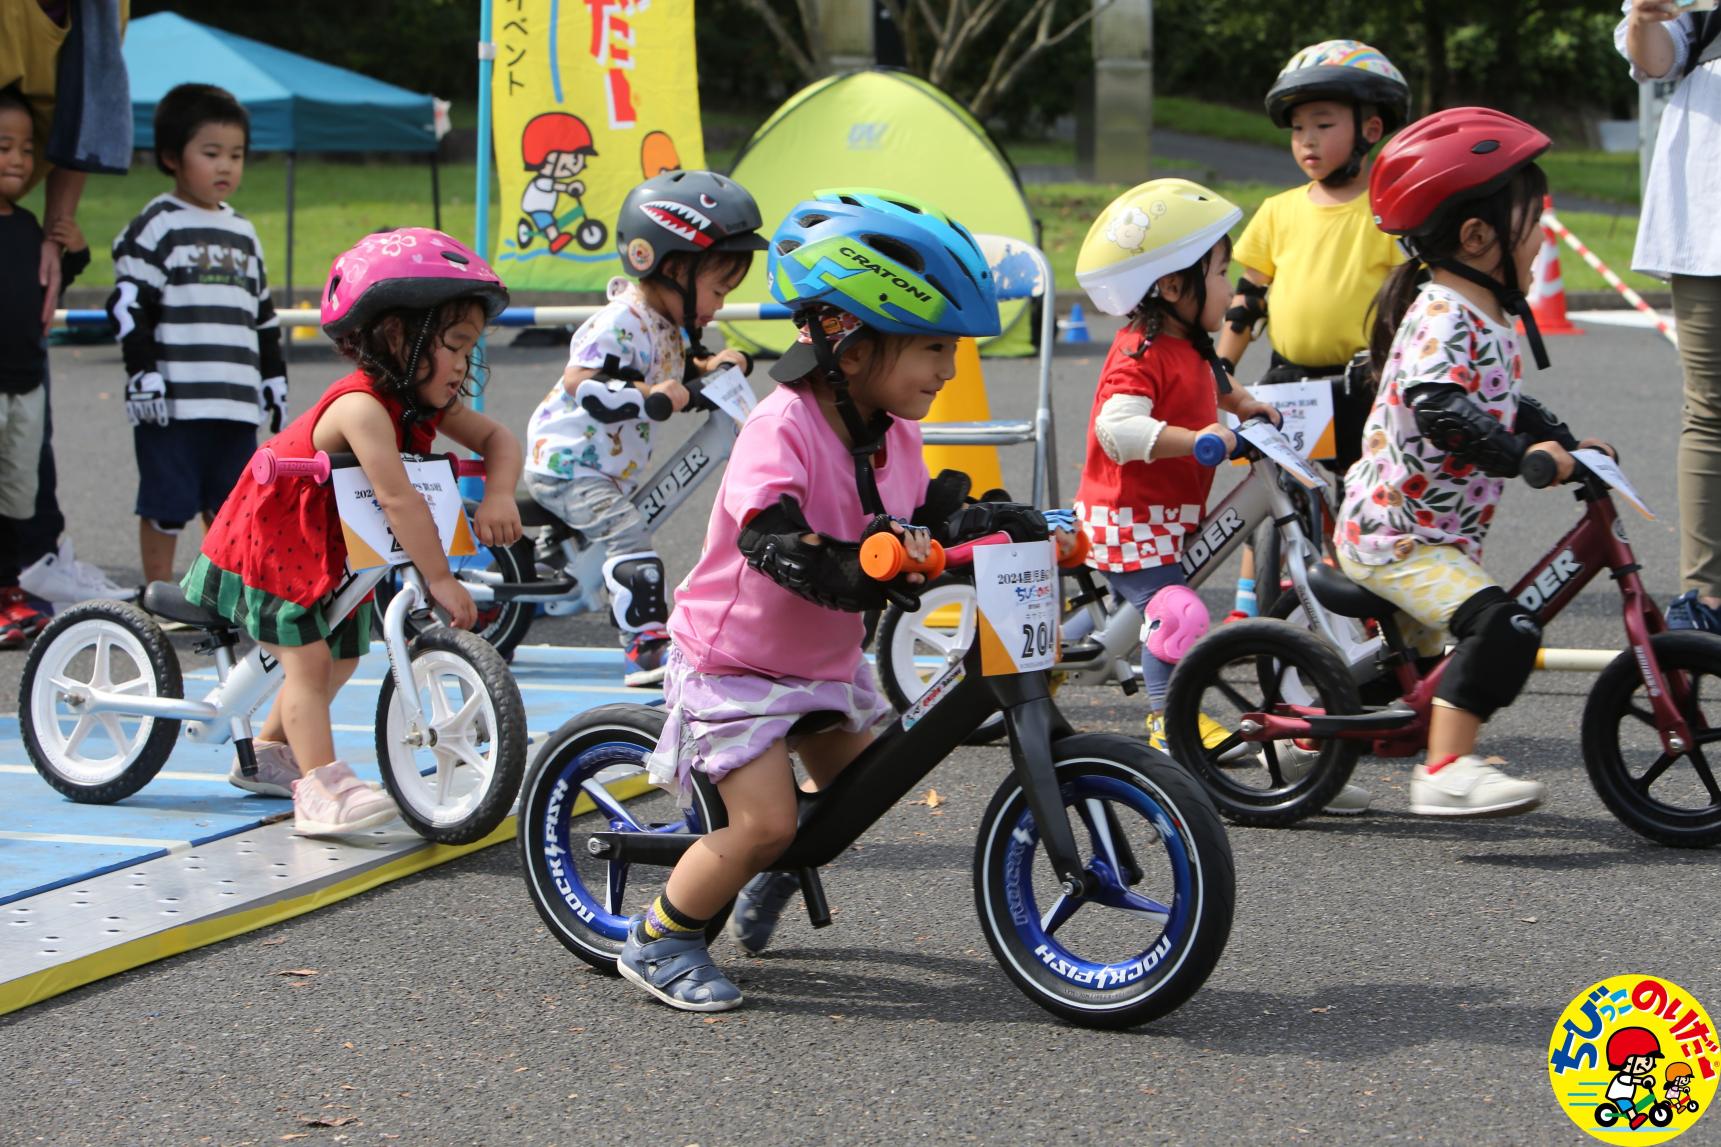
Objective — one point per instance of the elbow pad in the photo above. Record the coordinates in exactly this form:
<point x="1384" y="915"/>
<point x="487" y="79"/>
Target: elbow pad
<point x="1244" y="315"/>
<point x="1448" y="419"/>
<point x="1126" y="428"/>
<point x="1539" y="424"/>
<point x="826" y="572"/>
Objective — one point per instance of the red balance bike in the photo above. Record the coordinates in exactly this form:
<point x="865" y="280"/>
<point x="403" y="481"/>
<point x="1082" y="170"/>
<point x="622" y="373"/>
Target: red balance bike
<point x="1646" y="736"/>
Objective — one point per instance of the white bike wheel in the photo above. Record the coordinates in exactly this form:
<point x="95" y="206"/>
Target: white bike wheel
<point x="919" y="647"/>
<point x="98" y="758"/>
<point x="456" y="778"/>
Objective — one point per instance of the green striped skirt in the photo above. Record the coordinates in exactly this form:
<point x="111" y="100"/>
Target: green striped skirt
<point x="270" y="619"/>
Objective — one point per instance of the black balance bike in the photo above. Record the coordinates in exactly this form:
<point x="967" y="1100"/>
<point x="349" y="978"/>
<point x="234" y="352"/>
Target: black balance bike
<point x="1102" y="874"/>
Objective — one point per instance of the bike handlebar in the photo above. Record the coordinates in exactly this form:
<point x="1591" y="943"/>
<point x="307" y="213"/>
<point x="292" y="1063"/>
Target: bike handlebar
<point x="1210" y="450"/>
<point x="884" y="557"/>
<point x="659" y="408"/>
<point x="1539" y="470"/>
<point x="267" y="467"/>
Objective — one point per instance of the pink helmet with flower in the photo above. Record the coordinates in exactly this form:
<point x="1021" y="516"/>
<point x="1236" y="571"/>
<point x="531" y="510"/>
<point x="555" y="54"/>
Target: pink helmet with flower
<point x="414" y="268"/>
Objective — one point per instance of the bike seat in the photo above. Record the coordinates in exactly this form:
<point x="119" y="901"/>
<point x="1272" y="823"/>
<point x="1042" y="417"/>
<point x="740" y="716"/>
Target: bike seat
<point x="1344" y="596"/>
<point x="166" y="599"/>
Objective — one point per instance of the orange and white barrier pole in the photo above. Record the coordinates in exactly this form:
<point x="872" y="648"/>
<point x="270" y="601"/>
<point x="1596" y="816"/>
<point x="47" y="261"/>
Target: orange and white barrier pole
<point x="1550" y="220"/>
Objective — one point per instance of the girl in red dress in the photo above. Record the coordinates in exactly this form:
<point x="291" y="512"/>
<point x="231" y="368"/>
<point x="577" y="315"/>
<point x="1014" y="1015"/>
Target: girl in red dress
<point x="408" y="308"/>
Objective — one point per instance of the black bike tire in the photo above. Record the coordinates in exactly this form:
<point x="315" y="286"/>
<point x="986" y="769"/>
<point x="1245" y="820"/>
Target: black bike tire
<point x="1318" y="666"/>
<point x="163" y="663"/>
<point x="1267" y="563"/>
<point x="509" y="733"/>
<point x="645" y="723"/>
<point x="514" y="563"/>
<point x="1608" y="771"/>
<point x="1118" y="758"/>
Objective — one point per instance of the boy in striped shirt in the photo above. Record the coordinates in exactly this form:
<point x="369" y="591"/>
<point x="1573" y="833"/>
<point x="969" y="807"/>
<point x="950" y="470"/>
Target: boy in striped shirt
<point x="199" y="336"/>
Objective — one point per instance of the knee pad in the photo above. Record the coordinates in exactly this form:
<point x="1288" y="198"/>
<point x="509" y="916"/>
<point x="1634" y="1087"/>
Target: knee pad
<point x="637" y="595"/>
<point x="1174" y="620"/>
<point x="1497" y="644"/>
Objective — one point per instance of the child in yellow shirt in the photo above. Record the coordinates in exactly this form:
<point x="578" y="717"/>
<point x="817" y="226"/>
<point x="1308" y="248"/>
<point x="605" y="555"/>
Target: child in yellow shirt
<point x="1313" y="254"/>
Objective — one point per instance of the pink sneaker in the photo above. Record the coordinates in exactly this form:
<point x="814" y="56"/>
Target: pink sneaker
<point x="330" y="801"/>
<point x="276" y="770"/>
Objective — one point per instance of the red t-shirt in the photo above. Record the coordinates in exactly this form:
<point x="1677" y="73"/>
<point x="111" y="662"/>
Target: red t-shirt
<point x="285" y="538"/>
<point x="1137" y="513"/>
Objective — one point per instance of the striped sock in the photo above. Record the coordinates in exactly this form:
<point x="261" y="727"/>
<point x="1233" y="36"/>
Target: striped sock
<point x="1245" y="602"/>
<point x="662" y="919"/>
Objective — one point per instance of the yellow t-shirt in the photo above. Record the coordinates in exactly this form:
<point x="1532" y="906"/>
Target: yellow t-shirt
<point x="1327" y="264"/>
<point x="30" y="43"/>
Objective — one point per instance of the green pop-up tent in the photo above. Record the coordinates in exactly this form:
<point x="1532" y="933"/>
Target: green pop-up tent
<point x="887" y="129"/>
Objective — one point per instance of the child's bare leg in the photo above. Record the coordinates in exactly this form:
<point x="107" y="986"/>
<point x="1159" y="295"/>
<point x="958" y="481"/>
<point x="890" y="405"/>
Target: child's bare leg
<point x="825" y="755"/>
<point x="155" y="550"/>
<point x="274" y="729"/>
<point x="1452" y="733"/>
<point x="302" y="708"/>
<point x="760" y="800"/>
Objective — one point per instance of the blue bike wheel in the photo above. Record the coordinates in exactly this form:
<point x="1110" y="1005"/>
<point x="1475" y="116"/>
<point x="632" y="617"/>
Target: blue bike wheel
<point x="600" y="756"/>
<point x="1146" y="940"/>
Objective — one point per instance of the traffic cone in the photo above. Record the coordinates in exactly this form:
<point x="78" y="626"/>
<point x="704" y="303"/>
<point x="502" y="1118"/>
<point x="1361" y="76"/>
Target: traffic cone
<point x="1075" y="328"/>
<point x="963" y="399"/>
<point x="1548" y="290"/>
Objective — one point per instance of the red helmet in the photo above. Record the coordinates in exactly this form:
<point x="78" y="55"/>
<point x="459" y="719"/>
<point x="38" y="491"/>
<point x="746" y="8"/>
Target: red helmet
<point x="1445" y="159"/>
<point x="554" y="131"/>
<point x="1628" y="1042"/>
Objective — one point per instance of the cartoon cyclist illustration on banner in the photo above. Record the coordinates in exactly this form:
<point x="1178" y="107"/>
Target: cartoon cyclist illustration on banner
<point x="1634" y="1059"/>
<point x="557" y="145"/>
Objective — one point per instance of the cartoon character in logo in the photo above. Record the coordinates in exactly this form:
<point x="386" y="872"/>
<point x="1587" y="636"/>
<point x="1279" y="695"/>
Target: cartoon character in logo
<point x="1631" y="1055"/>
<point x="1678" y="1093"/>
<point x="1128" y="228"/>
<point x="556" y="145"/>
<point x="657" y="154"/>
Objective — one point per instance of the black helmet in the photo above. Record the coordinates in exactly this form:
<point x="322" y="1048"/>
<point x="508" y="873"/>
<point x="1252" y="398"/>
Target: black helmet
<point x="1346" y="70"/>
<point x="691" y="211"/>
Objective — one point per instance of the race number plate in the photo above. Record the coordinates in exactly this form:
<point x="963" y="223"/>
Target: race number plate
<point x="1016" y="594"/>
<point x="370" y="540"/>
<point x="729" y="390"/>
<point x="1307" y="408"/>
<point x="1608" y="471"/>
<point x="1271" y="442"/>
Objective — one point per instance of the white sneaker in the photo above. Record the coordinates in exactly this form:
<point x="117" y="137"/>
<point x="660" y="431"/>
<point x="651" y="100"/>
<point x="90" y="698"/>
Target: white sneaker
<point x="1295" y="763"/>
<point x="330" y="801"/>
<point x="62" y="579"/>
<point x="276" y="770"/>
<point x="1467" y="787"/>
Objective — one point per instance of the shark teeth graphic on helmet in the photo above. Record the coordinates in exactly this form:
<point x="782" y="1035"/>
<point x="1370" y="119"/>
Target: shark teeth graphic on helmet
<point x="679" y="220"/>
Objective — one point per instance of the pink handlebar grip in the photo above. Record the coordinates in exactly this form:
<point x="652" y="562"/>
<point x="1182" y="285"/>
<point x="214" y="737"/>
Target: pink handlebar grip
<point x="266" y="467"/>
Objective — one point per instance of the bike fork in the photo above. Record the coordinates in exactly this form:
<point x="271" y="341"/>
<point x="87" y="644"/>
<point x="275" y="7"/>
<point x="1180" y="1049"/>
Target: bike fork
<point x="1033" y="721"/>
<point x="399" y="658"/>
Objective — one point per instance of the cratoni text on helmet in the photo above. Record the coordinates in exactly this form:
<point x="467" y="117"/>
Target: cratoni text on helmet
<point x="884" y="272"/>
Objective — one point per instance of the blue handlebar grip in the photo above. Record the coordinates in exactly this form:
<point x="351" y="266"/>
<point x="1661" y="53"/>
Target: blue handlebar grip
<point x="1210" y="450"/>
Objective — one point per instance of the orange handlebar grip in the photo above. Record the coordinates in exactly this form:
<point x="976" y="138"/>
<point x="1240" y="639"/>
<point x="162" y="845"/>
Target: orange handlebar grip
<point x="883" y="558"/>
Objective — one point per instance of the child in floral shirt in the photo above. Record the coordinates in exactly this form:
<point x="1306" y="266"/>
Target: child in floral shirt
<point x="1449" y="425"/>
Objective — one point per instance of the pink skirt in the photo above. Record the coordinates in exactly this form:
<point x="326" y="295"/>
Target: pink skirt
<point x="721" y="721"/>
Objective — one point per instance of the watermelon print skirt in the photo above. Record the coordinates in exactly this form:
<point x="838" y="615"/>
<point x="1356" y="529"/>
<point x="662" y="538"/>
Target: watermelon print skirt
<point x="270" y="619"/>
<point x="719" y="722"/>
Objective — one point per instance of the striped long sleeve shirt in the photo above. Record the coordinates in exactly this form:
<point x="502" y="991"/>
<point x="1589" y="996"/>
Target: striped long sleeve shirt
<point x="191" y="302"/>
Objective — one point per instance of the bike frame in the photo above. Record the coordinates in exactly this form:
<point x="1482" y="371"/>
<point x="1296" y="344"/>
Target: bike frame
<point x="887" y="770"/>
<point x="242" y="685"/>
<point x="1597" y="542"/>
<point x="1258" y="498"/>
<point x="659" y="496"/>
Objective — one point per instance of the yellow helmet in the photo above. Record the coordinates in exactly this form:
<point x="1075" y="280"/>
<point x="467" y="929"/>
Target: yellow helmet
<point x="1148" y="232"/>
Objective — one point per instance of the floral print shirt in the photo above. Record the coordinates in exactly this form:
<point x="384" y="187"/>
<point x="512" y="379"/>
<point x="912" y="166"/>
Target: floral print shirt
<point x="563" y="440"/>
<point x="1405" y="491"/>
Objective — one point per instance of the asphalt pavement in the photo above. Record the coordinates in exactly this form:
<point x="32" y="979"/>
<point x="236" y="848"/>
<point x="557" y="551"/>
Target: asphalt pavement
<point x="1388" y="978"/>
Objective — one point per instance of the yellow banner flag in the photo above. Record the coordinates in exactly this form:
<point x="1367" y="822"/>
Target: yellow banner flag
<point x="591" y="97"/>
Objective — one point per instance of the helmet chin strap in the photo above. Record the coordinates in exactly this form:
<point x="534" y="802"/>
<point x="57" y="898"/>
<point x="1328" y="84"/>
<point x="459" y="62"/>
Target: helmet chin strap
<point x="690" y="317"/>
<point x="1504" y="288"/>
<point x="407" y="387"/>
<point x="1343" y="176"/>
<point x="864" y="438"/>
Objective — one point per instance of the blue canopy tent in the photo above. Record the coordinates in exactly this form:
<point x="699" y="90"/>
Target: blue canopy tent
<point x="295" y="103"/>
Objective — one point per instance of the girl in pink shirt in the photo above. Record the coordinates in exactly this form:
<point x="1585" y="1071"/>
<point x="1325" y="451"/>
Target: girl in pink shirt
<point x="767" y="627"/>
